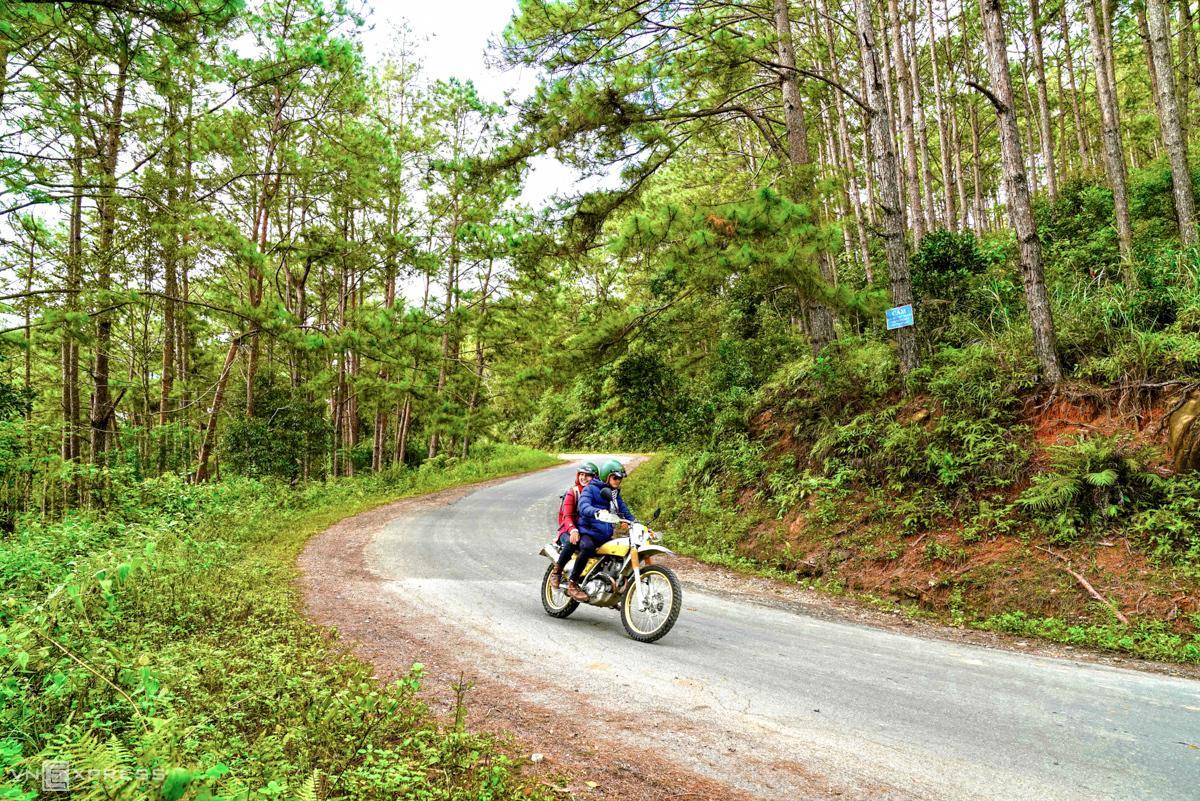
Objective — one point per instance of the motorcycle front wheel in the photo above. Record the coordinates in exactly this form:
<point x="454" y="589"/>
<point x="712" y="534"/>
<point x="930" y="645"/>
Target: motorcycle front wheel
<point x="556" y="602"/>
<point x="662" y="598"/>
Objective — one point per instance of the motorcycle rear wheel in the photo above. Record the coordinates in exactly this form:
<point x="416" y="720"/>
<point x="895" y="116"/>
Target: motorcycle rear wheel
<point x="652" y="620"/>
<point x="556" y="602"/>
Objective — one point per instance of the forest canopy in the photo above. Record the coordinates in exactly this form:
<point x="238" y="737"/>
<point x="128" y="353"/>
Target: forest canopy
<point x="236" y="241"/>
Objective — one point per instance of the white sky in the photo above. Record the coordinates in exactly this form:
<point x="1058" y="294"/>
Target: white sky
<point x="451" y="39"/>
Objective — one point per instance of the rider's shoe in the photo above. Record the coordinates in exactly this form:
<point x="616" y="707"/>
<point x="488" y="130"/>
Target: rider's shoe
<point x="556" y="578"/>
<point x="575" y="592"/>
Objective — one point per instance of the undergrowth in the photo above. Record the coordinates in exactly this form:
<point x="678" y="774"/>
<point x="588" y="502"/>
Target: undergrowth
<point x="159" y="652"/>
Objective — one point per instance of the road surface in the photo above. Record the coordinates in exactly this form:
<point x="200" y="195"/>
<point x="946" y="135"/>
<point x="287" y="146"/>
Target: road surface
<point x="769" y="701"/>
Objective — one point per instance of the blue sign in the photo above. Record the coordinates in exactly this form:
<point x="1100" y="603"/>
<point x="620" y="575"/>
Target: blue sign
<point x="899" y="317"/>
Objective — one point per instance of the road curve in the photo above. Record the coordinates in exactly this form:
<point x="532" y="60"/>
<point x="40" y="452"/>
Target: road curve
<point x="777" y="703"/>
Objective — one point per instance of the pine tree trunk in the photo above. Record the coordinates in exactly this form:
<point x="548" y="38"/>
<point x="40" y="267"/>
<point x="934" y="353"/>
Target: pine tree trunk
<point x="884" y="53"/>
<point x="1063" y="151"/>
<point x="1080" y="129"/>
<point x="1114" y="156"/>
<point x="1031" y="123"/>
<point x="1169" y="121"/>
<point x="891" y="222"/>
<point x="71" y="444"/>
<point x="170" y="255"/>
<point x="899" y="65"/>
<point x="1017" y="190"/>
<point x="210" y="430"/>
<point x="929" y="208"/>
<point x="1187" y="64"/>
<point x="845" y="154"/>
<point x="821" y="330"/>
<point x="102" y="411"/>
<point x="1039" y="67"/>
<point x="1152" y="68"/>
<point x="949" y="215"/>
<point x="960" y="172"/>
<point x="976" y="174"/>
<point x="444" y="362"/>
<point x="402" y="423"/>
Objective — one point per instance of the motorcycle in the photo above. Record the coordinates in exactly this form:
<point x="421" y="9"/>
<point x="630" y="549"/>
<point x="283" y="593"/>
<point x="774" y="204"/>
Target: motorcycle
<point x="622" y="575"/>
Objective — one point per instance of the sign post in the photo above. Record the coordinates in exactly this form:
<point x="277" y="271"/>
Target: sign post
<point x="899" y="317"/>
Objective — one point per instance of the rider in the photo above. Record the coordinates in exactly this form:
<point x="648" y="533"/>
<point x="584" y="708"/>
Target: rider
<point x="568" y="513"/>
<point x="603" y="494"/>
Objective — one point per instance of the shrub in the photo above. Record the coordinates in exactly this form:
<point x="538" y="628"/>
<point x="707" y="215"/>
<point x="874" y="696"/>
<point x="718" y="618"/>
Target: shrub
<point x="1091" y="484"/>
<point x="292" y="443"/>
<point x="943" y="267"/>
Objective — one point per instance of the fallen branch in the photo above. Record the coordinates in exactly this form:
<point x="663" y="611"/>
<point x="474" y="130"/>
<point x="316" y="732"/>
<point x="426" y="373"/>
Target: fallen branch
<point x="1083" y="582"/>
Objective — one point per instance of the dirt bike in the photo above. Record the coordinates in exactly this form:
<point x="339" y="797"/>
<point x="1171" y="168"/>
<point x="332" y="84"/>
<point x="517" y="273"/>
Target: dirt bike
<point x="621" y="575"/>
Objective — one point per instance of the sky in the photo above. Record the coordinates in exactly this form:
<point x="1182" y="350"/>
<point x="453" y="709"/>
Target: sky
<point x="451" y="37"/>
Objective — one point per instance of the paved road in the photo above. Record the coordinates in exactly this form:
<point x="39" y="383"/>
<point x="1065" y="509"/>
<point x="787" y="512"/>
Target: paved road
<point x="766" y="699"/>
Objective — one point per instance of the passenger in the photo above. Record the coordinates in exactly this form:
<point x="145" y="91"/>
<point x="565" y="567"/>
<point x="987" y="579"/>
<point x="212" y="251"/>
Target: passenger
<point x="568" y="515"/>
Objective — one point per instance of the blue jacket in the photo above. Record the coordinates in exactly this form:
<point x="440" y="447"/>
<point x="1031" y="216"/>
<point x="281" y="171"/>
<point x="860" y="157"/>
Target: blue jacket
<point x="595" y="497"/>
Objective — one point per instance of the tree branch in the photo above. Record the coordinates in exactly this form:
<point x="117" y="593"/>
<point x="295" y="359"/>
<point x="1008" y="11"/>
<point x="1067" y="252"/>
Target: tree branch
<point x="983" y="90"/>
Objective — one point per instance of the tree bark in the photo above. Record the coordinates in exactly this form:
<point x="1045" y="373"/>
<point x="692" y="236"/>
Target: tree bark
<point x="899" y="65"/>
<point x="891" y="222"/>
<point x="210" y="430"/>
<point x="1039" y="67"/>
<point x="71" y="444"/>
<point x="1017" y="189"/>
<point x="170" y="255"/>
<point x="976" y="175"/>
<point x="1031" y="127"/>
<point x="928" y="208"/>
<point x="820" y="330"/>
<point x="102" y="411"/>
<point x="1187" y="64"/>
<point x="1114" y="156"/>
<point x="845" y="153"/>
<point x="1081" y="137"/>
<point x="1170" y="123"/>
<point x="949" y="216"/>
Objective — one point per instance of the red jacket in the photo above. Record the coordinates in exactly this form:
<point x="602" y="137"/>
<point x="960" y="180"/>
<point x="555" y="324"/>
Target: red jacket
<point x="568" y="512"/>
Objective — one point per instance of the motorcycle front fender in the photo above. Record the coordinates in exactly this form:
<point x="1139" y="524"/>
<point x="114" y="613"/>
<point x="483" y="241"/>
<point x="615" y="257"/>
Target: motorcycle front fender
<point x="550" y="551"/>
<point x="650" y="550"/>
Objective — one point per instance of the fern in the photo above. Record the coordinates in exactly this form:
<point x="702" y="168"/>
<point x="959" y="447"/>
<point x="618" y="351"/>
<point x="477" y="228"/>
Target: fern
<point x="1091" y="481"/>
<point x="309" y="790"/>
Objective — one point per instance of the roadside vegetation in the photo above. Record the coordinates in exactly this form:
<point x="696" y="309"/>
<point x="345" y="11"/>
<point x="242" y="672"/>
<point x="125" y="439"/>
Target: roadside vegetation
<point x="967" y="491"/>
<point x="158" y="648"/>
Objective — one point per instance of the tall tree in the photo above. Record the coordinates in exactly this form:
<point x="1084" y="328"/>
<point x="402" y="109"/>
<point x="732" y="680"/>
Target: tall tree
<point x="888" y="201"/>
<point x="1114" y="154"/>
<point x="1016" y="184"/>
<point x="1043" y="100"/>
<point x="820" y="318"/>
<point x="1170" y="123"/>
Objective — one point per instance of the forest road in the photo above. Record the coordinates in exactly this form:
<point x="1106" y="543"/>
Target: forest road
<point x="776" y="704"/>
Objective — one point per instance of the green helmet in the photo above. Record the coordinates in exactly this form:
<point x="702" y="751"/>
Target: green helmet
<point x="589" y="468"/>
<point x="612" y="468"/>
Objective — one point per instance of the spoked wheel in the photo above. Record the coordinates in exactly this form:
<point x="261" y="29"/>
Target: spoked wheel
<point x="653" y="616"/>
<point x="556" y="602"/>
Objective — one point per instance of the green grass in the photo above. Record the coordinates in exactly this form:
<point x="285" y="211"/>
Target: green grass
<point x="160" y="650"/>
<point x="1150" y="640"/>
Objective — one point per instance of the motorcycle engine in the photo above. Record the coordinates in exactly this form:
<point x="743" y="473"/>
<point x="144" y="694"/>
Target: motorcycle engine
<point x="600" y="587"/>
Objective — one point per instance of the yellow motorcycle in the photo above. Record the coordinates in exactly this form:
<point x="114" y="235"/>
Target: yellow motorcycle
<point x="622" y="575"/>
